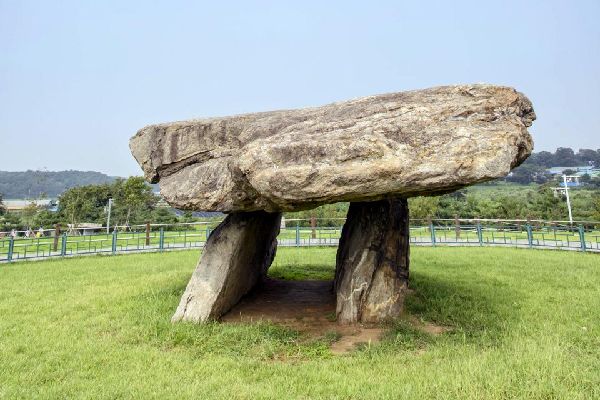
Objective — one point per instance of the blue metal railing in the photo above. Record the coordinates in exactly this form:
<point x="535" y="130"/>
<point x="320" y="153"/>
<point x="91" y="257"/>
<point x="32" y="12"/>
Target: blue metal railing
<point x="449" y="232"/>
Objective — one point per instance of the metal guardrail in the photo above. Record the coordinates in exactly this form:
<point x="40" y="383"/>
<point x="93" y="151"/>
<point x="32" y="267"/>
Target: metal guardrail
<point x="448" y="232"/>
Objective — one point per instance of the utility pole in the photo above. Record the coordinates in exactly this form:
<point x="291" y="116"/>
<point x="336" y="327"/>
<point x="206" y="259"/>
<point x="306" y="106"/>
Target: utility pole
<point x="568" y="199"/>
<point x="110" y="201"/>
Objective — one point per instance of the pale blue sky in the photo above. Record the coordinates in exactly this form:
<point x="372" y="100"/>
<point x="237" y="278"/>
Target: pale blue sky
<point x="78" y="78"/>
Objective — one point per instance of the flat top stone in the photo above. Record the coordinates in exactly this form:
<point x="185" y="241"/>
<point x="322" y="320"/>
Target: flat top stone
<point x="420" y="142"/>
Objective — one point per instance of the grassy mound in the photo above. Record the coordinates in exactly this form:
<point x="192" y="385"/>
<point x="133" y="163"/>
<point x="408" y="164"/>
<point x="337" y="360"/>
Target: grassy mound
<point x="524" y="323"/>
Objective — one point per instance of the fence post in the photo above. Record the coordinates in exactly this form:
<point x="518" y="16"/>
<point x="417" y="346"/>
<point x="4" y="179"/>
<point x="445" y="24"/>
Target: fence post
<point x="297" y="233"/>
<point x="457" y="226"/>
<point x="207" y="232"/>
<point x="432" y="230"/>
<point x="56" y="236"/>
<point x="114" y="241"/>
<point x="147" y="233"/>
<point x="313" y="226"/>
<point x="161" y="238"/>
<point x="63" y="244"/>
<point x="529" y="235"/>
<point x="582" y="237"/>
<point x="479" y="233"/>
<point x="11" y="247"/>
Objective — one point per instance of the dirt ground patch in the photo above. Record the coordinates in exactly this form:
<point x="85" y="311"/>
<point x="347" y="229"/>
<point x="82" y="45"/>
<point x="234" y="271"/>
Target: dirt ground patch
<point x="309" y="307"/>
<point x="306" y="306"/>
<point x="427" y="327"/>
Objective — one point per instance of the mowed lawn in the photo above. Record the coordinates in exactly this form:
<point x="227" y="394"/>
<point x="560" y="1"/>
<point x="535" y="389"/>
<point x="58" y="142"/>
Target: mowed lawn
<point x="524" y="324"/>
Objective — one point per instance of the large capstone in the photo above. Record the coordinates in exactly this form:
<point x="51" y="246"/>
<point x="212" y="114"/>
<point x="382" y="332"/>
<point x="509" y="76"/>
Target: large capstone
<point x="399" y="144"/>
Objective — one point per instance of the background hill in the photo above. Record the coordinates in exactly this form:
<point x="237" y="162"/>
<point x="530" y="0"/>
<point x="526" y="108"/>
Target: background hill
<point x="34" y="184"/>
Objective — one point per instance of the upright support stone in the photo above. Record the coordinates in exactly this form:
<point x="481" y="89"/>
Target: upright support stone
<point x="371" y="277"/>
<point x="236" y="256"/>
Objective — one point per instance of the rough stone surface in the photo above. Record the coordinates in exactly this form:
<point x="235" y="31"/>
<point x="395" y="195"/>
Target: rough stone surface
<point x="399" y="144"/>
<point x="236" y="256"/>
<point x="372" y="262"/>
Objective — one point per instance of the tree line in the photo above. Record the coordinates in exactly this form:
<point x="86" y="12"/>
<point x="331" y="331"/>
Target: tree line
<point x="534" y="169"/>
<point x="498" y="201"/>
<point x="538" y="202"/>
<point x="565" y="157"/>
<point x="133" y="203"/>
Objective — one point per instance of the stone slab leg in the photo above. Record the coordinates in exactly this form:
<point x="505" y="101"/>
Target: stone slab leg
<point x="236" y="256"/>
<point x="371" y="277"/>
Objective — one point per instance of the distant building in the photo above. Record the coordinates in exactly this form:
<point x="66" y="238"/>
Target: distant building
<point x="19" y="205"/>
<point x="86" y="228"/>
<point x="571" y="181"/>
<point x="579" y="171"/>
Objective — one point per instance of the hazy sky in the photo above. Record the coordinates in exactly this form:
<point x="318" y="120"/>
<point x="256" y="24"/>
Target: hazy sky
<point x="78" y="78"/>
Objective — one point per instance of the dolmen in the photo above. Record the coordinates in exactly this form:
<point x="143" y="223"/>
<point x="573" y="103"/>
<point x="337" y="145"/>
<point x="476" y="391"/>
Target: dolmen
<point x="374" y="152"/>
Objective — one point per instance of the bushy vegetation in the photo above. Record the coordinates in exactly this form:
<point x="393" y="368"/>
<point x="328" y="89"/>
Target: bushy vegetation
<point x="133" y="203"/>
<point x="7" y="221"/>
<point x="521" y="324"/>
<point x="498" y="201"/>
<point x="508" y="201"/>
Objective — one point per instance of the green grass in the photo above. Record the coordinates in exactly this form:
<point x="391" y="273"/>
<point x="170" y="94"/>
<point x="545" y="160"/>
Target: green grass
<point x="525" y="324"/>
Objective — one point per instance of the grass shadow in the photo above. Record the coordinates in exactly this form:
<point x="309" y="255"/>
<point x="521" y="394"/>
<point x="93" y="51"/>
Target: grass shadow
<point x="149" y="315"/>
<point x="481" y="311"/>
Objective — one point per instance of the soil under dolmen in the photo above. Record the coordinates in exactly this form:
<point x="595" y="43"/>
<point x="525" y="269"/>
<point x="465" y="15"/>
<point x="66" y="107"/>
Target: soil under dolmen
<point x="307" y="306"/>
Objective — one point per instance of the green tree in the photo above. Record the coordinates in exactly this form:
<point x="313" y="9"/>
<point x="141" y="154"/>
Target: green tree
<point x="162" y="215"/>
<point x="596" y="206"/>
<point x="28" y="214"/>
<point x="10" y="221"/>
<point x="2" y="208"/>
<point x="549" y="206"/>
<point x="84" y="204"/>
<point x="528" y="173"/>
<point x="423" y="207"/>
<point x="585" y="156"/>
<point x="594" y="182"/>
<point x="585" y="178"/>
<point x="133" y="201"/>
<point x="543" y="159"/>
<point x="512" y="207"/>
<point x="46" y="219"/>
<point x="565" y="157"/>
<point x="453" y="204"/>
